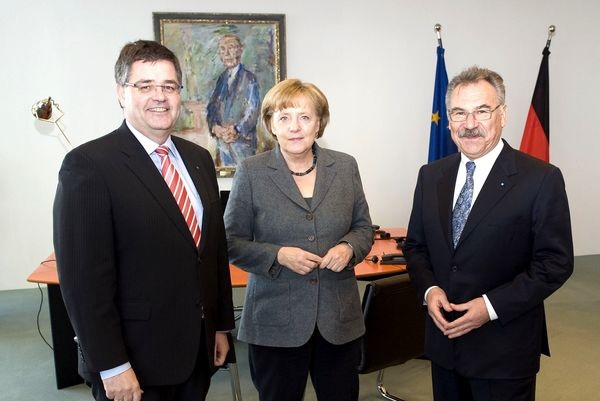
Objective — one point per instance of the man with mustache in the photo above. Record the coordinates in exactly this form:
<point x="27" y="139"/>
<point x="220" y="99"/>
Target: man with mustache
<point x="489" y="239"/>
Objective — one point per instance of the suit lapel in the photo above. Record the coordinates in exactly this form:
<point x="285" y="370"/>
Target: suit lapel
<point x="281" y="177"/>
<point x="497" y="184"/>
<point x="325" y="173"/>
<point x="138" y="161"/>
<point x="445" y="192"/>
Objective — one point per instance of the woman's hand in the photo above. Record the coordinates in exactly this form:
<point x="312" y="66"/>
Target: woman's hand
<point x="337" y="258"/>
<point x="298" y="260"/>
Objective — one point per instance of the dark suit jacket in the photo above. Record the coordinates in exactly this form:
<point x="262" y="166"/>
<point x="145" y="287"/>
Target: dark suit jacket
<point x="516" y="247"/>
<point x="133" y="281"/>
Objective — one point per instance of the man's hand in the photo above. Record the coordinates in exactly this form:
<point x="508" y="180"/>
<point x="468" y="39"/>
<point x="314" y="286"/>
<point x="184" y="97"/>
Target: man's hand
<point x="476" y="315"/>
<point x="337" y="258"/>
<point x="230" y="135"/>
<point x="221" y="348"/>
<point x="298" y="260"/>
<point x="218" y="131"/>
<point x="227" y="133"/>
<point x="123" y="387"/>
<point x="436" y="302"/>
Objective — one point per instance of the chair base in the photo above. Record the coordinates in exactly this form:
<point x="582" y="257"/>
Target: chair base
<point x="381" y="388"/>
<point x="236" y="390"/>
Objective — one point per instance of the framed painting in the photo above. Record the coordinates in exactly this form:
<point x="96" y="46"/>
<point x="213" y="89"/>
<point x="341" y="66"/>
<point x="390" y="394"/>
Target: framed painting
<point x="229" y="62"/>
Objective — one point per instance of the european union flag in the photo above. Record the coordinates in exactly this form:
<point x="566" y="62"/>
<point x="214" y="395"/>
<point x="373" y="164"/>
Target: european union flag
<point x="440" y="141"/>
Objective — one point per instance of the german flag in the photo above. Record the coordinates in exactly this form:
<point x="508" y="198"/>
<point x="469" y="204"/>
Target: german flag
<point x="536" y="136"/>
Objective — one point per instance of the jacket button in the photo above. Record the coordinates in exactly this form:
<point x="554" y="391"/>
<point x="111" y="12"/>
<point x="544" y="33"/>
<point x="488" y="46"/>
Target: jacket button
<point x="309" y="216"/>
<point x="311" y="238"/>
<point x="312" y="281"/>
<point x="454" y="269"/>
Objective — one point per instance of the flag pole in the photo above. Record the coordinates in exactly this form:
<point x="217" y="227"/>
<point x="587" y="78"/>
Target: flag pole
<point x="440" y="140"/>
<point x="536" y="135"/>
<point x="551" y="30"/>
<point x="438" y="31"/>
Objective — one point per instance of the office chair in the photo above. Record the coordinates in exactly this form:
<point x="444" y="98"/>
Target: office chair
<point x="395" y="327"/>
<point x="231" y="366"/>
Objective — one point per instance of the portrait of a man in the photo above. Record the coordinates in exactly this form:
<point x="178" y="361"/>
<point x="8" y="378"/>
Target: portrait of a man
<point x="233" y="110"/>
<point x="229" y="62"/>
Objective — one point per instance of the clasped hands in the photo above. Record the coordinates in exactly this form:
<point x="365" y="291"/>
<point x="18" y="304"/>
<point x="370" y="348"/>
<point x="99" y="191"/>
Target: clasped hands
<point x="227" y="133"/>
<point x="304" y="262"/>
<point x="475" y="313"/>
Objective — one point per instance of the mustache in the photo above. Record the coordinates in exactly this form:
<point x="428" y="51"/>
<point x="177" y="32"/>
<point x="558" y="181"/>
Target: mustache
<point x="471" y="133"/>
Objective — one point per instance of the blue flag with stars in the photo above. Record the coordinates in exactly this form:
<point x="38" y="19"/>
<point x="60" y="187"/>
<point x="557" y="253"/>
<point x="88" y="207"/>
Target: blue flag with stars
<point x="440" y="141"/>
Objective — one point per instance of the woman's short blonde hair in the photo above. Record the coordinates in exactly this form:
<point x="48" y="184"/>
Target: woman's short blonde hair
<point x="286" y="94"/>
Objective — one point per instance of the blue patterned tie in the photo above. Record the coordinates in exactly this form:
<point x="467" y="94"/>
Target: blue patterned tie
<point x="463" y="205"/>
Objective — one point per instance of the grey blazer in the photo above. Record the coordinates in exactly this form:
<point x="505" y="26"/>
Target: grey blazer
<point x="265" y="212"/>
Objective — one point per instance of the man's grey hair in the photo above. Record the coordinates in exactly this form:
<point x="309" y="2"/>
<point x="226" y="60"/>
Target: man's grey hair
<point x="474" y="74"/>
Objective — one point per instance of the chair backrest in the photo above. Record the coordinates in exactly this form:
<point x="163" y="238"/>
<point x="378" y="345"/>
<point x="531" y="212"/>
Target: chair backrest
<point x="224" y="196"/>
<point x="395" y="324"/>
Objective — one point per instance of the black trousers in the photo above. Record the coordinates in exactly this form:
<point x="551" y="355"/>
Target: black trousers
<point x="194" y="388"/>
<point x="280" y="373"/>
<point x="450" y="386"/>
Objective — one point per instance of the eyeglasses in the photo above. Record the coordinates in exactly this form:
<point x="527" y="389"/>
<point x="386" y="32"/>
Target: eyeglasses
<point x="145" y="88"/>
<point x="459" y="115"/>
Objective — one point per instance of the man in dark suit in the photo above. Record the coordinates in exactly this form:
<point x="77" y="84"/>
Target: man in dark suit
<point x="147" y="290"/>
<point x="234" y="106"/>
<point x="485" y="268"/>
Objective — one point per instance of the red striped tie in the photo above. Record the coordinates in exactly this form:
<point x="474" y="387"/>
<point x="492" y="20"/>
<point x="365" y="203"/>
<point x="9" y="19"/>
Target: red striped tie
<point x="175" y="184"/>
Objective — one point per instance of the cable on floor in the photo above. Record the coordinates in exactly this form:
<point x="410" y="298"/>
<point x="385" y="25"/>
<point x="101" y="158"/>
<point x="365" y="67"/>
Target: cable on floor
<point x="38" y="316"/>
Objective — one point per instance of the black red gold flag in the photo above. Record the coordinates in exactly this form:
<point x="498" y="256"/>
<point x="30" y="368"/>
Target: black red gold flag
<point x="536" y="136"/>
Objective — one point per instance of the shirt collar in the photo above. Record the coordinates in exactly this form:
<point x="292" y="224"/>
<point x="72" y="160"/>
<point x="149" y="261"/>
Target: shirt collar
<point x="488" y="159"/>
<point x="148" y="144"/>
<point x="234" y="70"/>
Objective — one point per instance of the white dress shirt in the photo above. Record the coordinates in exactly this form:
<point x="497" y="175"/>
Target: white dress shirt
<point x="483" y="166"/>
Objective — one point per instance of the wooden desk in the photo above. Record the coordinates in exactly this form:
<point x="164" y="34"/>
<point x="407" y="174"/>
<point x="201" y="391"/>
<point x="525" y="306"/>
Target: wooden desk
<point x="65" y="350"/>
<point x="63" y="344"/>
<point x="46" y="273"/>
<point x="366" y="270"/>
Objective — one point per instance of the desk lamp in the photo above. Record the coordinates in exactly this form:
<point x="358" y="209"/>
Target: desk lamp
<point x="49" y="111"/>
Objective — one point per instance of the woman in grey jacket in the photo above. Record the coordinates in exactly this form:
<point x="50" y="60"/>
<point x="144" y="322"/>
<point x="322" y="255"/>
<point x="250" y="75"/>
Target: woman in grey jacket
<point x="297" y="220"/>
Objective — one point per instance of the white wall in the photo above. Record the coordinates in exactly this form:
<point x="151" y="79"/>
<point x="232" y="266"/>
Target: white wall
<point x="374" y="60"/>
